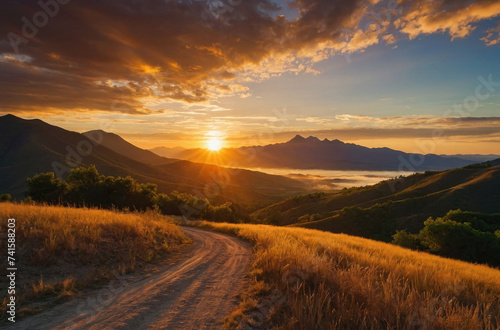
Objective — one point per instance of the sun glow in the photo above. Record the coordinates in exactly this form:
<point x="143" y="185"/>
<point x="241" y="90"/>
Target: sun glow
<point x="214" y="144"/>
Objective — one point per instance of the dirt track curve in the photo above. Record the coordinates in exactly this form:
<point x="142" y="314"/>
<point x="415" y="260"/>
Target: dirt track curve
<point x="195" y="293"/>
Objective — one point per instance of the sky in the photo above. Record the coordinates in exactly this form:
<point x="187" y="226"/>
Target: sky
<point x="418" y="76"/>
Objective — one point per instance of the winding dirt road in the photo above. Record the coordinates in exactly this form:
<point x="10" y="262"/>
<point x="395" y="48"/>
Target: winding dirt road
<point x="195" y="293"/>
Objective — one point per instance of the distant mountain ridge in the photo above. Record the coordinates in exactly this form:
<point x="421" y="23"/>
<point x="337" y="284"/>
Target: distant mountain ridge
<point x="168" y="152"/>
<point x="28" y="147"/>
<point x="474" y="157"/>
<point x="313" y="153"/>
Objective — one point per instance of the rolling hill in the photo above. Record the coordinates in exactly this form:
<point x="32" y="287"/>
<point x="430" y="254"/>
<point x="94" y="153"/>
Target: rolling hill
<point x="495" y="162"/>
<point x="119" y="145"/>
<point x="312" y="153"/>
<point x="405" y="203"/>
<point x="474" y="157"/>
<point x="28" y="147"/>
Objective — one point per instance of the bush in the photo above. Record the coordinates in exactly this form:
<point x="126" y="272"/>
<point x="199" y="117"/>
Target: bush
<point x="5" y="198"/>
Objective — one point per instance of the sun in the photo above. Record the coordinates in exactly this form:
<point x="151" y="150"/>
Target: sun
<point x="214" y="144"/>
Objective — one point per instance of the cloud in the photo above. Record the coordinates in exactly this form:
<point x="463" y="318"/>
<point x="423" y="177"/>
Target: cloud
<point x="364" y="39"/>
<point x="130" y="56"/>
<point x="184" y="51"/>
<point x="389" y="39"/>
<point x="390" y="133"/>
<point x="456" y="17"/>
<point x="315" y="120"/>
<point x="386" y="99"/>
<point x="347" y="117"/>
<point x="492" y="37"/>
<point x="418" y="121"/>
<point x="164" y="49"/>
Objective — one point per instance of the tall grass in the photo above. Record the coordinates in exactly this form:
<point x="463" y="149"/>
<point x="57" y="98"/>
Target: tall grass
<point x="307" y="279"/>
<point x="59" y="250"/>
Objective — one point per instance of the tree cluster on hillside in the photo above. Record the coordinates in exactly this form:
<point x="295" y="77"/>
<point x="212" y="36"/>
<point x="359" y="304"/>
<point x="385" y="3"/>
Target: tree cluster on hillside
<point x="469" y="236"/>
<point x="86" y="187"/>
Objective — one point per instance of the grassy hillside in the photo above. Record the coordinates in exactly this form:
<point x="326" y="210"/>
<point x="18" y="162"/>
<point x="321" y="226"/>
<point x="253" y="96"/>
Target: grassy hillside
<point x="405" y="203"/>
<point x="60" y="250"/>
<point x="307" y="279"/>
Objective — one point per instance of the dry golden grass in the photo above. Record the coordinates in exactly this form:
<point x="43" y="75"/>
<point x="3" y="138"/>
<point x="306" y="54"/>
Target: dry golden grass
<point x="60" y="250"/>
<point x="308" y="279"/>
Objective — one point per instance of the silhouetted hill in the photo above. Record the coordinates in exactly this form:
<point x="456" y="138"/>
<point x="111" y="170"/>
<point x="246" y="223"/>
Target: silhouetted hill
<point x="378" y="211"/>
<point x="28" y="147"/>
<point x="168" y="152"/>
<point x="119" y="145"/>
<point x="312" y="153"/>
<point x="473" y="157"/>
<point x="495" y="162"/>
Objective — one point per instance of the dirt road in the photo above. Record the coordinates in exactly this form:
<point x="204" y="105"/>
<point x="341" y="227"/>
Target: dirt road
<point x="195" y="293"/>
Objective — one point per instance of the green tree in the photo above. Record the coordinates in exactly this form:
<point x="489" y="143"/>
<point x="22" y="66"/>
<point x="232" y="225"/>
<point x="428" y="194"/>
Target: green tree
<point x="459" y="240"/>
<point x="84" y="184"/>
<point x="223" y="213"/>
<point x="404" y="239"/>
<point x="5" y="197"/>
<point x="144" y="196"/>
<point x="46" y="187"/>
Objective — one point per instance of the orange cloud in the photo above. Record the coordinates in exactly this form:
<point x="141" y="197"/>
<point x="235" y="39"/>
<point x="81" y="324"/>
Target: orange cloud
<point x="364" y="39"/>
<point x="456" y="18"/>
<point x="492" y="37"/>
<point x="112" y="55"/>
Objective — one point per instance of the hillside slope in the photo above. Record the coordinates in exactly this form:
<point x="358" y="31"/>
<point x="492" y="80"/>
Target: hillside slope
<point x="119" y="145"/>
<point x="168" y="152"/>
<point x="378" y="211"/>
<point x="307" y="279"/>
<point x="28" y="147"/>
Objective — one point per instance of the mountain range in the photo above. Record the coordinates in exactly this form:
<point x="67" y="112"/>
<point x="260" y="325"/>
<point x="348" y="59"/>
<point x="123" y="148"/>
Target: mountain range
<point x="312" y="153"/>
<point x="28" y="147"/>
<point x="474" y="157"/>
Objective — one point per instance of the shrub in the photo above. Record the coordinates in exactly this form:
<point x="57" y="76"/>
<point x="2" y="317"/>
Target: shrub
<point x="5" y="198"/>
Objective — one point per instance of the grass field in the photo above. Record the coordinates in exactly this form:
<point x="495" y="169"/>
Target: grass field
<point x="59" y="250"/>
<point x="307" y="279"/>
